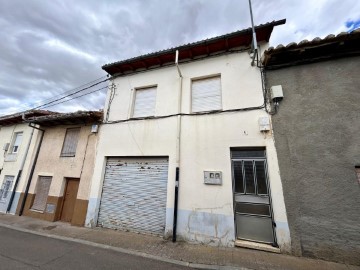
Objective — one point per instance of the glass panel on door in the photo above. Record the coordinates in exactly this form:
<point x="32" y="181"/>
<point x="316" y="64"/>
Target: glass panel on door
<point x="253" y="215"/>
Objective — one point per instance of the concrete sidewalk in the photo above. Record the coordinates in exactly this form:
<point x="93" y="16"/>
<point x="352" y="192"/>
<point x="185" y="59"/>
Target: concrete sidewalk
<point x="196" y="256"/>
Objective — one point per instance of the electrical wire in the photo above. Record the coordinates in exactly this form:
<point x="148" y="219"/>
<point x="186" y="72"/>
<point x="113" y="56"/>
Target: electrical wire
<point x="51" y="105"/>
<point x="112" y="95"/>
<point x="186" y="114"/>
<point x="45" y="105"/>
<point x="74" y="93"/>
<point x="76" y="88"/>
<point x="26" y="106"/>
<point x="264" y="87"/>
<point x="55" y="102"/>
<point x="263" y="106"/>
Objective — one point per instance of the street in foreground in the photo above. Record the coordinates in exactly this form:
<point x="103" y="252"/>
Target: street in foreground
<point x="19" y="250"/>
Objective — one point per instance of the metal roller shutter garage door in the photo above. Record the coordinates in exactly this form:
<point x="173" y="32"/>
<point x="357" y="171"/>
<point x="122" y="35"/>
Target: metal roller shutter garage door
<point x="134" y="194"/>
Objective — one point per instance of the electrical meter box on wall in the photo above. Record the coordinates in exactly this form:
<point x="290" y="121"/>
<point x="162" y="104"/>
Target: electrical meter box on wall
<point x="264" y="123"/>
<point x="212" y="177"/>
<point x="94" y="128"/>
<point x="6" y="146"/>
<point x="276" y="93"/>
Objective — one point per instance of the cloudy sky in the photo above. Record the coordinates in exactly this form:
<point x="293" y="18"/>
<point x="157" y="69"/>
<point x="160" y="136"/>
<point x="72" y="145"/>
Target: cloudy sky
<point x="51" y="47"/>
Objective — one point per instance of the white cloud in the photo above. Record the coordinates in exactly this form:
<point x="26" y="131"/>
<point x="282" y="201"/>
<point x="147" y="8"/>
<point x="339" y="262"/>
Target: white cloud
<point x="60" y="45"/>
<point x="55" y="46"/>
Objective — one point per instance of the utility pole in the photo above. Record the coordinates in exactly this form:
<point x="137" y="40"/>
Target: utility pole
<point x="254" y="41"/>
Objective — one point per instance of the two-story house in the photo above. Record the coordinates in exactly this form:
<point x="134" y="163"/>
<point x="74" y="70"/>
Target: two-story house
<point x="186" y="149"/>
<point x="17" y="142"/>
<point x="57" y="187"/>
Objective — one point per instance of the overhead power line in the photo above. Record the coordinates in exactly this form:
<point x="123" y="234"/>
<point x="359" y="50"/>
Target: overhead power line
<point x="74" y="93"/>
<point x="30" y="106"/>
<point x="74" y="89"/>
<point x="75" y="97"/>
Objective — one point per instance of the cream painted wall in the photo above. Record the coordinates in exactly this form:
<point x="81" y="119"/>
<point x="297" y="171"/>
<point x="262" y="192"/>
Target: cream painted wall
<point x="12" y="167"/>
<point x="51" y="164"/>
<point x="205" y="212"/>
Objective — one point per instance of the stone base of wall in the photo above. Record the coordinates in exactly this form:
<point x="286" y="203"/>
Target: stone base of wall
<point x="206" y="228"/>
<point x="56" y="201"/>
<point x="79" y="215"/>
<point x="80" y="211"/>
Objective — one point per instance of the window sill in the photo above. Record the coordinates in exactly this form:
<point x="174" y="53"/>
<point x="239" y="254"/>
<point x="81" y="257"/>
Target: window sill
<point x="67" y="156"/>
<point x="207" y="112"/>
<point x="143" y="117"/>
<point x="11" y="157"/>
<point x="37" y="211"/>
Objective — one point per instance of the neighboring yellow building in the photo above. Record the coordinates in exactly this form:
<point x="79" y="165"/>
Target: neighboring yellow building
<point x="59" y="183"/>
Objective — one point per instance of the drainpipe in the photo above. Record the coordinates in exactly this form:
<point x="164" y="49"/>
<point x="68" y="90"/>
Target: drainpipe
<point x="32" y="168"/>
<point x="178" y="141"/>
<point x="20" y="171"/>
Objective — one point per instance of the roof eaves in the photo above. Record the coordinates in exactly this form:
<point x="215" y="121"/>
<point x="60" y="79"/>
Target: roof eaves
<point x="193" y="44"/>
<point x="90" y="115"/>
<point x="307" y="45"/>
<point x="17" y="117"/>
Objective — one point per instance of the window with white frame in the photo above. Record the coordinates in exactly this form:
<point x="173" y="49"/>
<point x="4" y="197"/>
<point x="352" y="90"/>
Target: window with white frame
<point x="16" y="142"/>
<point x="206" y="94"/>
<point x="144" y="103"/>
<point x="6" y="187"/>
<point x="42" y="192"/>
<point x="70" y="142"/>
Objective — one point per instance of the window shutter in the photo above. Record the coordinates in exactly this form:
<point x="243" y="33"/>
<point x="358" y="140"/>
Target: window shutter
<point x="70" y="142"/>
<point x="206" y="94"/>
<point x="17" y="142"/>
<point x="42" y="191"/>
<point x="145" y="102"/>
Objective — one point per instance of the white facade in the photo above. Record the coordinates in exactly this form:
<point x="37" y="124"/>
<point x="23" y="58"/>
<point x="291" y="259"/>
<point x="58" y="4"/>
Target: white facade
<point x="205" y="212"/>
<point x="15" y="160"/>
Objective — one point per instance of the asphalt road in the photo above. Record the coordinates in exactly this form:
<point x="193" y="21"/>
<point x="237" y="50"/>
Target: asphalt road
<point x="19" y="250"/>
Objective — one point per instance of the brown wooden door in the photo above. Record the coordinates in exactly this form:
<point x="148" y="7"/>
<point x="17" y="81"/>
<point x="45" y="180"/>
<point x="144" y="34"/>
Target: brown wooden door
<point x="71" y="190"/>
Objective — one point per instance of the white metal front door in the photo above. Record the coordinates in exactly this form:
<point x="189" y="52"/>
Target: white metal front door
<point x="252" y="201"/>
<point x="134" y="194"/>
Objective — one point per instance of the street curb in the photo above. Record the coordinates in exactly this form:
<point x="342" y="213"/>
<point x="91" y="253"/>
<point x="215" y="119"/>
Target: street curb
<point x="127" y="251"/>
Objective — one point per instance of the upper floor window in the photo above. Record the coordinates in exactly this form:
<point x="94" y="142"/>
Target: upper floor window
<point x="206" y="94"/>
<point x="16" y="142"/>
<point x="70" y="142"/>
<point x="144" y="104"/>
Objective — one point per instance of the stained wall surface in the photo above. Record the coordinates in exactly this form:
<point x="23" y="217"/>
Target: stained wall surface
<point x="318" y="144"/>
<point x="51" y="163"/>
<point x="206" y="213"/>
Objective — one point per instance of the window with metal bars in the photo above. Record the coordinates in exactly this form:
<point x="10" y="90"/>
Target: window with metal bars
<point x="6" y="186"/>
<point x="250" y="177"/>
<point x="42" y="191"/>
<point x="206" y="94"/>
<point x="70" y="142"/>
